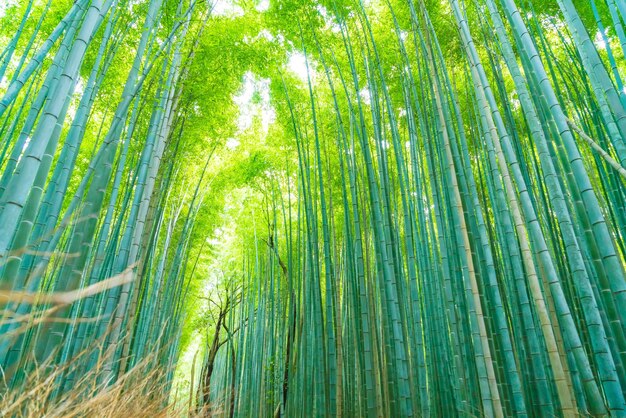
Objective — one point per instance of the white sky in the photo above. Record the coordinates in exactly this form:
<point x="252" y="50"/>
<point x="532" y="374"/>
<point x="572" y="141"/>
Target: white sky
<point x="230" y="8"/>
<point x="5" y="4"/>
<point x="297" y="65"/>
<point x="248" y="110"/>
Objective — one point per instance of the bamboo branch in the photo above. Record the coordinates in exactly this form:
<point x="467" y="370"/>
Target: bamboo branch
<point x="612" y="162"/>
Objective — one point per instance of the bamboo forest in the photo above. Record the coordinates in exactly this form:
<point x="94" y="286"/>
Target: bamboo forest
<point x="312" y="208"/>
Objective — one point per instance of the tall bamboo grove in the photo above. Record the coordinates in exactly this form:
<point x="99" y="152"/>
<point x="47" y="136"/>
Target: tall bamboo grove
<point x="92" y="241"/>
<point x="462" y="252"/>
<point x="443" y="236"/>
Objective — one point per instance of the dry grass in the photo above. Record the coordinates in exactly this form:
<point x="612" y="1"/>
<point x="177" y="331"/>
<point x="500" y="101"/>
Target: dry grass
<point x="141" y="392"/>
